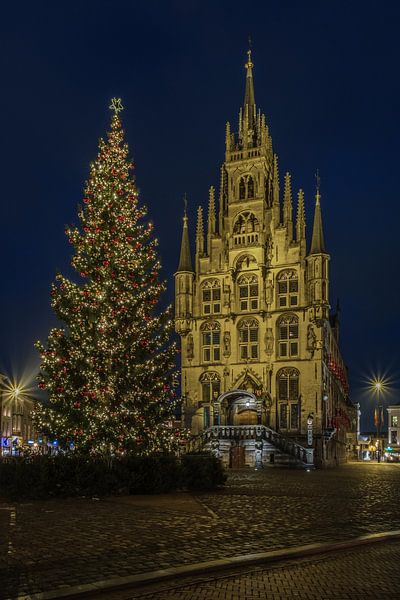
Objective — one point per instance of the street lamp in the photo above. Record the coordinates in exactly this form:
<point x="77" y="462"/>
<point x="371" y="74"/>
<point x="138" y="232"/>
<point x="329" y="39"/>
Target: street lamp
<point x="378" y="387"/>
<point x="14" y="394"/>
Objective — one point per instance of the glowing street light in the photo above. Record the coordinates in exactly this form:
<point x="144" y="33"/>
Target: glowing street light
<point x="14" y="394"/>
<point x="378" y="386"/>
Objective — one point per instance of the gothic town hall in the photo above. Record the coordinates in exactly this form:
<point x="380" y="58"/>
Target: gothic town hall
<point x="263" y="380"/>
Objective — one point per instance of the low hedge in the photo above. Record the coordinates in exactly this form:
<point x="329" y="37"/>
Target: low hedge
<point x="40" y="477"/>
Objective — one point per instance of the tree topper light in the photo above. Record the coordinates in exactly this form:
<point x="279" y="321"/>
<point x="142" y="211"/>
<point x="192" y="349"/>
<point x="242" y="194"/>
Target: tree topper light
<point x="116" y="105"/>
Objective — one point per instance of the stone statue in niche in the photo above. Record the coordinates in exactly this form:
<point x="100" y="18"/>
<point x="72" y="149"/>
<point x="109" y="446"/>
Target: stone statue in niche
<point x="227" y="344"/>
<point x="270" y="247"/>
<point x="269" y="292"/>
<point x="227" y="295"/>
<point x="189" y="347"/>
<point x="269" y="341"/>
<point x="311" y="340"/>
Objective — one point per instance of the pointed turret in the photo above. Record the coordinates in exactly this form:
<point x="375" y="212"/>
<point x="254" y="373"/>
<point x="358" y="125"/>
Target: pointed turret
<point x="318" y="265"/>
<point x="211" y="210"/>
<point x="318" y="242"/>
<point x="185" y="259"/>
<point x="228" y="137"/>
<point x="211" y="224"/>
<point x="199" y="233"/>
<point x="301" y="218"/>
<point x="276" y="191"/>
<point x="288" y="207"/>
<point x="184" y="283"/>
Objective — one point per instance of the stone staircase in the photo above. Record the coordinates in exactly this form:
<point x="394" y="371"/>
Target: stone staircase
<point x="259" y="446"/>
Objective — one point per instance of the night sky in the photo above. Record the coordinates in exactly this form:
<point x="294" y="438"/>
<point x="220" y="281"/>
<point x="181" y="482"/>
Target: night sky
<point x="327" y="78"/>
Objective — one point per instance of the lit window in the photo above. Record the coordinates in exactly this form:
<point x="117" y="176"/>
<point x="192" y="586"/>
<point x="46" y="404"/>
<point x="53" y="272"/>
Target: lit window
<point x="211" y="297"/>
<point x="246" y="229"/>
<point x="248" y="339"/>
<point x="250" y="187"/>
<point x="242" y="189"/>
<point x="395" y="420"/>
<point x="211" y="342"/>
<point x="210" y="386"/>
<point x="288" y="289"/>
<point x="288" y="336"/>
<point x="287" y="381"/>
<point x="248" y="292"/>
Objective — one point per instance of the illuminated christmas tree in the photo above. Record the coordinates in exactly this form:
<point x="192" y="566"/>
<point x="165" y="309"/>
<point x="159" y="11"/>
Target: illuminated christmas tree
<point x="109" y="371"/>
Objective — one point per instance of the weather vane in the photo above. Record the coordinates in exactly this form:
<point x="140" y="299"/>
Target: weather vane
<point x="116" y="105"/>
<point x="318" y="180"/>
<point x="249" y="63"/>
<point x="185" y="202"/>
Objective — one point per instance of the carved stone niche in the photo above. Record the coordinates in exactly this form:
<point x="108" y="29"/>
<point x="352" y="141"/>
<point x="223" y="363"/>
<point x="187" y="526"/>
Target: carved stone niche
<point x="189" y="347"/>
<point x="311" y="340"/>
<point x="269" y="341"/>
<point x="227" y="344"/>
<point x="182" y="326"/>
<point x="269" y="292"/>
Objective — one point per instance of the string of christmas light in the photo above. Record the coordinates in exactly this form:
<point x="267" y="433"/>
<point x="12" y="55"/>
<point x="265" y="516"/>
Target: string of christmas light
<point x="109" y="371"/>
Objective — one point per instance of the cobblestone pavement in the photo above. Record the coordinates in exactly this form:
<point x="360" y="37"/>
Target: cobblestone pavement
<point x="58" y="543"/>
<point x="366" y="573"/>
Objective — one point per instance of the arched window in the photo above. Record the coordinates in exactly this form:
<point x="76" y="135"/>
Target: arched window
<point x="288" y="289"/>
<point x="245" y="262"/>
<point x="246" y="229"/>
<point x="324" y="290"/>
<point x="288" y="336"/>
<point x="242" y="189"/>
<point x="248" y="292"/>
<point x="211" y="342"/>
<point x="248" y="339"/>
<point x="211" y="297"/>
<point x="210" y="386"/>
<point x="287" y="381"/>
<point x="250" y="187"/>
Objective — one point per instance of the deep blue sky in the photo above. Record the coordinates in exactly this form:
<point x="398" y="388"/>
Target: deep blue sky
<point x="326" y="76"/>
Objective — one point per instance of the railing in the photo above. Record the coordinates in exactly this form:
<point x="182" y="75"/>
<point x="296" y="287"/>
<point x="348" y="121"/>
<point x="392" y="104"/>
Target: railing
<point x="243" y="432"/>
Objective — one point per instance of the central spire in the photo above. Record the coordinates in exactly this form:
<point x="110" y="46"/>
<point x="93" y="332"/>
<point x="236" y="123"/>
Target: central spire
<point x="249" y="106"/>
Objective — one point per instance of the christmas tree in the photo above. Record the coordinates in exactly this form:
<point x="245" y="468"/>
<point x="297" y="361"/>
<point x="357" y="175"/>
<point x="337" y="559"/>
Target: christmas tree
<point x="109" y="371"/>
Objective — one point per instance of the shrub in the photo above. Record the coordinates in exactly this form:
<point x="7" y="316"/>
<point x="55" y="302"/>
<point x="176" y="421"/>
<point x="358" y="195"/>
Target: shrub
<point x="38" y="477"/>
<point x="202" y="471"/>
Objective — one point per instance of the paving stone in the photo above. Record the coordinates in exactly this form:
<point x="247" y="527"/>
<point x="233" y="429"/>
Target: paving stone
<point x="365" y="573"/>
<point x="80" y="541"/>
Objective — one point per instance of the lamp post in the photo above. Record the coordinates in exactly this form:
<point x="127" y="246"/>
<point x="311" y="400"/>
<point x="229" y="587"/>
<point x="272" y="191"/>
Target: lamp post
<point x="377" y="386"/>
<point x="17" y="415"/>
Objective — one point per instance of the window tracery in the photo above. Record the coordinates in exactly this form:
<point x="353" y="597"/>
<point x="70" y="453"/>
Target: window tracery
<point x="248" y="339"/>
<point x="211" y="341"/>
<point x="288" y="336"/>
<point x="287" y="288"/>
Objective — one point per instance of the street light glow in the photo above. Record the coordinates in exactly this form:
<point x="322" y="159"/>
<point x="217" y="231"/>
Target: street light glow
<point x="378" y="385"/>
<point x="16" y="390"/>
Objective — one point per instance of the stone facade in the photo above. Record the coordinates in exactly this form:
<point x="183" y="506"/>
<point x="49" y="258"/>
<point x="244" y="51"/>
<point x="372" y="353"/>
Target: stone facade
<point x="258" y="344"/>
<point x="16" y="427"/>
<point x="394" y="431"/>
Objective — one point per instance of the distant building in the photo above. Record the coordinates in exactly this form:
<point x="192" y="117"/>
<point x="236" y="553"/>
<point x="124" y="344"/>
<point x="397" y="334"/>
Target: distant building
<point x="262" y="373"/>
<point x="393" y="449"/>
<point x="16" y="428"/>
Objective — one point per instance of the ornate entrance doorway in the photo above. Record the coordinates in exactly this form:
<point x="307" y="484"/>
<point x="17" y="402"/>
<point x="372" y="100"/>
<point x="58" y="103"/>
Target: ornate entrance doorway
<point x="240" y="407"/>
